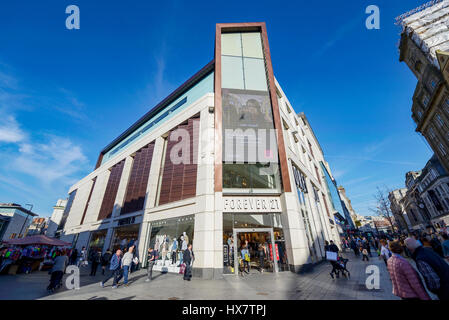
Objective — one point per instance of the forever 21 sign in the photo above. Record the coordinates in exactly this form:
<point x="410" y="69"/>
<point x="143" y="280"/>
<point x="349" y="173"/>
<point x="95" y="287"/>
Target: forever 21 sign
<point x="251" y="204"/>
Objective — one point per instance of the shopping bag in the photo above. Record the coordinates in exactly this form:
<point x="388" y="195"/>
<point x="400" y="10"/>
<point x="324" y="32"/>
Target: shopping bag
<point x="331" y="256"/>
<point x="247" y="258"/>
<point x="182" y="268"/>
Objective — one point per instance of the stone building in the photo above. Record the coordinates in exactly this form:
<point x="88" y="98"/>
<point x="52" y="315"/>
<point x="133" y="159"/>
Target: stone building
<point x="423" y="47"/>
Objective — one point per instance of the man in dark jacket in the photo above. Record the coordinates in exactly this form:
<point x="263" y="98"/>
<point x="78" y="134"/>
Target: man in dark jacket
<point x="188" y="258"/>
<point x="95" y="260"/>
<point x="105" y="260"/>
<point x="115" y="269"/>
<point x="432" y="267"/>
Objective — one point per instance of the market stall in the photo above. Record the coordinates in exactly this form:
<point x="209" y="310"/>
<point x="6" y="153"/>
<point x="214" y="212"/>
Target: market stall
<point x="30" y="253"/>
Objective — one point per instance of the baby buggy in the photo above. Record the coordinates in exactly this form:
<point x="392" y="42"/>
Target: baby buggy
<point x="340" y="266"/>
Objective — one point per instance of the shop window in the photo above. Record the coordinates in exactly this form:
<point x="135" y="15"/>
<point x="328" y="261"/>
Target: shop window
<point x="96" y="241"/>
<point x="125" y="236"/>
<point x="169" y="238"/>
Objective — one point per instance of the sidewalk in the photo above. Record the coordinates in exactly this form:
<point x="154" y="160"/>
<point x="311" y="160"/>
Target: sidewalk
<point x="316" y="285"/>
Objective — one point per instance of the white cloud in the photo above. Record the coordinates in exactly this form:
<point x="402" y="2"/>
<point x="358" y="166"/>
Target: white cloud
<point x="56" y="160"/>
<point x="10" y="131"/>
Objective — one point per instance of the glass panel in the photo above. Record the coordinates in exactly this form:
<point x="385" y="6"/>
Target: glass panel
<point x="255" y="76"/>
<point x="232" y="72"/>
<point x="250" y="176"/>
<point x="228" y="244"/>
<point x="124" y="237"/>
<point x="252" y="45"/>
<point x="231" y="44"/>
<point x="96" y="242"/>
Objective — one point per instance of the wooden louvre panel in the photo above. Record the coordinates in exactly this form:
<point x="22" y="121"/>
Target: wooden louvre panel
<point x="111" y="191"/>
<point x="138" y="180"/>
<point x="179" y="180"/>
<point x="88" y="199"/>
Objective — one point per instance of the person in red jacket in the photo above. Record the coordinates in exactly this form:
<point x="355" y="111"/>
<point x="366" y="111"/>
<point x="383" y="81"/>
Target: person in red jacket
<point x="406" y="282"/>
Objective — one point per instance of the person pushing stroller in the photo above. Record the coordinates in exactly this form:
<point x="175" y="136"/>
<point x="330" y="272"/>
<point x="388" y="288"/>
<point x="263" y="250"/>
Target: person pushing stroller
<point x="338" y="265"/>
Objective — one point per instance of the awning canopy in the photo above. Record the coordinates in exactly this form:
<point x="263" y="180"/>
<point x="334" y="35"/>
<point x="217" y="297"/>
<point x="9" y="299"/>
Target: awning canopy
<point x="38" y="239"/>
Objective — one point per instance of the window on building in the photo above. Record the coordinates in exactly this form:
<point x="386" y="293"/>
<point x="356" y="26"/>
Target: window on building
<point x="425" y="101"/>
<point x="431" y="133"/>
<point x="439" y="120"/>
<point x="446" y="105"/>
<point x="310" y="148"/>
<point x="12" y="236"/>
<point x="419" y="113"/>
<point x="442" y="149"/>
<point x="432" y="83"/>
<point x="317" y="174"/>
<point x="418" y="66"/>
<point x="288" y="108"/>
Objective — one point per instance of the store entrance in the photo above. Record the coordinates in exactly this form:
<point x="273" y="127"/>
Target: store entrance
<point x="261" y="248"/>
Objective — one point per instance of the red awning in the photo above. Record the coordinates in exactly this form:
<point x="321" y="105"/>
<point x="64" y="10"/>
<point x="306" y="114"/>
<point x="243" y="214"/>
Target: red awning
<point x="38" y="239"/>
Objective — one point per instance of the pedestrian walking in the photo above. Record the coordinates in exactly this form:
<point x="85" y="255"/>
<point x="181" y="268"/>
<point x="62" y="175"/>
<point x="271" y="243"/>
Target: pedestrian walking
<point x="95" y="260"/>
<point x="367" y="246"/>
<point x="57" y="271"/>
<point x="405" y="279"/>
<point x="262" y="254"/>
<point x="188" y="259"/>
<point x="151" y="260"/>
<point x="385" y="253"/>
<point x="432" y="267"/>
<point x="364" y="253"/>
<point x="73" y="257"/>
<point x="105" y="261"/>
<point x="115" y="268"/>
<point x="436" y="245"/>
<point x="127" y="261"/>
<point x="82" y="261"/>
<point x="354" y="247"/>
<point x="332" y="248"/>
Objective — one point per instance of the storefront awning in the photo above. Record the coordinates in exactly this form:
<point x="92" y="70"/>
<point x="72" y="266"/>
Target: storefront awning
<point x="38" y="239"/>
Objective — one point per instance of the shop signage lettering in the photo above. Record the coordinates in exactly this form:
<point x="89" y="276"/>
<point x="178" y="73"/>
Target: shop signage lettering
<point x="126" y="221"/>
<point x="251" y="204"/>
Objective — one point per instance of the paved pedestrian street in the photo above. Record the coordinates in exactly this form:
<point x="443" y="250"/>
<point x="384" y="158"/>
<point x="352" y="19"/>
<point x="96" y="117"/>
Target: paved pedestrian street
<point x="315" y="285"/>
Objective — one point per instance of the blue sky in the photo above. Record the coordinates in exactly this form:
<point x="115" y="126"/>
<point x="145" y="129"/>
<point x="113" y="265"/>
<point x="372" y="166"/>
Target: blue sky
<point x="65" y="94"/>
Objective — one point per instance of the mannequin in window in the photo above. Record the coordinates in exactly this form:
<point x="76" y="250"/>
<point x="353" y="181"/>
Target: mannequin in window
<point x="186" y="238"/>
<point x="174" y="248"/>
<point x="164" y="250"/>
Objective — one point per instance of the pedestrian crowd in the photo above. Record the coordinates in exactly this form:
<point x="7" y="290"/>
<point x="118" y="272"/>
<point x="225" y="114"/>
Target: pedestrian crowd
<point x="428" y="250"/>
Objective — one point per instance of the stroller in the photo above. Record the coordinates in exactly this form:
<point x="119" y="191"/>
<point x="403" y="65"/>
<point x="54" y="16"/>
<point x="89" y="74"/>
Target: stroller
<point x="340" y="266"/>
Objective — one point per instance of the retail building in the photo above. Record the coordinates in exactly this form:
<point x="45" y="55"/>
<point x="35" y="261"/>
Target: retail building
<point x="222" y="160"/>
<point x="14" y="220"/>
